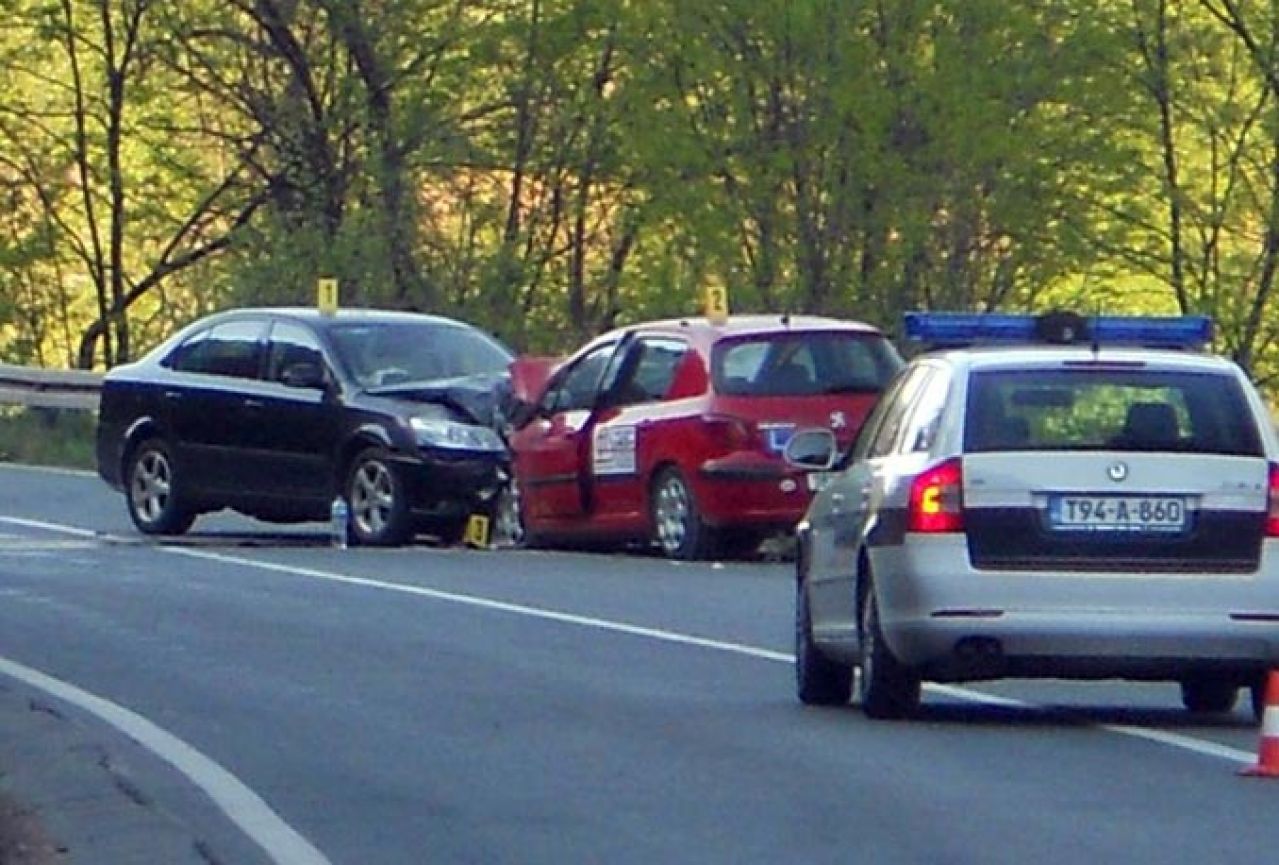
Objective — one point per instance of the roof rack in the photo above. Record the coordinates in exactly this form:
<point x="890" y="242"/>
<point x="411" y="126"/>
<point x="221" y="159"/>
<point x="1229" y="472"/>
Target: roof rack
<point x="956" y="329"/>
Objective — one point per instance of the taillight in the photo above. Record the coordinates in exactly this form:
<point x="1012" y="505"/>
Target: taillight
<point x="1272" y="511"/>
<point x="936" y="499"/>
<point x="730" y="433"/>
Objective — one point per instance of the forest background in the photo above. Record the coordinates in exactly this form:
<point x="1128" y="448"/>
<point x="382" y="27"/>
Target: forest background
<point x="550" y="168"/>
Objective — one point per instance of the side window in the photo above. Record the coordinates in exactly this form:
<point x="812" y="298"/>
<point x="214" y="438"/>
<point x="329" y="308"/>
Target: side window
<point x="648" y="376"/>
<point x="890" y="430"/>
<point x="869" y="430"/>
<point x="292" y="346"/>
<point x="577" y="388"/>
<point x="925" y="419"/>
<point x="231" y="349"/>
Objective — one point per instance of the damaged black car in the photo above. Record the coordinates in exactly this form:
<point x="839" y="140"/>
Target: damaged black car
<point x="275" y="413"/>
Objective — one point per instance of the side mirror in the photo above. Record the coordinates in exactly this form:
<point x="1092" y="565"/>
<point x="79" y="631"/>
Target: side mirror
<point x="812" y="449"/>
<point x="306" y="374"/>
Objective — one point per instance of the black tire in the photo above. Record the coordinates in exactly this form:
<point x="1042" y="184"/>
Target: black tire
<point x="888" y="690"/>
<point x="678" y="528"/>
<point x="153" y="491"/>
<point x="379" y="510"/>
<point x="1207" y="696"/>
<point x="819" y="681"/>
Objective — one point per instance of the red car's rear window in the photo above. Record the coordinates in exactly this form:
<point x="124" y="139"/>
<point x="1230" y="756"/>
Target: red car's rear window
<point x="799" y="363"/>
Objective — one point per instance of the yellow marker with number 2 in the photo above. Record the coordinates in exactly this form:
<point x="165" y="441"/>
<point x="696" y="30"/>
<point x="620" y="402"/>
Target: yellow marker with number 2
<point x="715" y="300"/>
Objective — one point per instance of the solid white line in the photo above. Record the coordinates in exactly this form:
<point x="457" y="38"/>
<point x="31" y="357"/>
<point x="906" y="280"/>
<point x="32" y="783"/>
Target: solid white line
<point x="244" y="807"/>
<point x="53" y="470"/>
<point x="1185" y="743"/>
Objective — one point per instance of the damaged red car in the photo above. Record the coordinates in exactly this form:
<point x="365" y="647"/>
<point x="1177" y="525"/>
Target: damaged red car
<point x="672" y="431"/>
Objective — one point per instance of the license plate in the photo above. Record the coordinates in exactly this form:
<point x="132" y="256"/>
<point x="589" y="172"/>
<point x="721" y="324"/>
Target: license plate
<point x="819" y="480"/>
<point x="1118" y="513"/>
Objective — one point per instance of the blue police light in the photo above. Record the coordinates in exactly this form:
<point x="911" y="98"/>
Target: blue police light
<point x="1063" y="328"/>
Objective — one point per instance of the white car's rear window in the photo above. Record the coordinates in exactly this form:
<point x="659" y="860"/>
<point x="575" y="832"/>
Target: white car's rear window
<point x="1108" y="408"/>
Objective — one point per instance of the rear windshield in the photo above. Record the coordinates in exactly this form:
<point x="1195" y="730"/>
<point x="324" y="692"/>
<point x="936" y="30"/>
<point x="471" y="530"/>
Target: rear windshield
<point x="1109" y="409"/>
<point x="803" y="364"/>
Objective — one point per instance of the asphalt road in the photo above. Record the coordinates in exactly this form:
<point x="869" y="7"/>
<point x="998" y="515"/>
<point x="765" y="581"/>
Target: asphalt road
<point x="431" y="705"/>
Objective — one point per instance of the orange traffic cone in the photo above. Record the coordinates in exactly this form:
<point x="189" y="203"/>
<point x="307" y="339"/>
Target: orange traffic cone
<point x="1267" y="765"/>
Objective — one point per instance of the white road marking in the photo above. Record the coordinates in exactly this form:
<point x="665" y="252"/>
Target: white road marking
<point x="244" y="807"/>
<point x="1186" y="743"/>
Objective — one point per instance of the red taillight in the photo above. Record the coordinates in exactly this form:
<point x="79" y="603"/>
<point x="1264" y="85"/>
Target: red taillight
<point x="1272" y="511"/>
<point x="936" y="499"/>
<point x="730" y="433"/>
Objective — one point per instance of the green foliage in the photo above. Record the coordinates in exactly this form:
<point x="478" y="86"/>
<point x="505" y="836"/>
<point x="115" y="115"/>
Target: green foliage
<point x="550" y="168"/>
<point x="47" y="437"/>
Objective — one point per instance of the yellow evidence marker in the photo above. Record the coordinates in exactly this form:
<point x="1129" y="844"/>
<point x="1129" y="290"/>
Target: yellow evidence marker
<point x="326" y="295"/>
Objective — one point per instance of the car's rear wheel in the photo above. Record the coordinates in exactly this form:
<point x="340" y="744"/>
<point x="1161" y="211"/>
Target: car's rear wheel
<point x="379" y="511"/>
<point x="678" y="527"/>
<point x="888" y="690"/>
<point x="154" y="492"/>
<point x="819" y="681"/>
<point x="1208" y="696"/>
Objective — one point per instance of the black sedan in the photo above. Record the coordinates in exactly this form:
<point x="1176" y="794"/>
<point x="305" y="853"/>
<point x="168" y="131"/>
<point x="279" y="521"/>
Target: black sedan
<point x="277" y="412"/>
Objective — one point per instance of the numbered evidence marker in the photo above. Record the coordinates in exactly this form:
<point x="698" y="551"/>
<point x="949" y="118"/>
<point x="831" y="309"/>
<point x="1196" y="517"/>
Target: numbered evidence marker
<point x="477" y="532"/>
<point x="326" y="295"/>
<point x="715" y="300"/>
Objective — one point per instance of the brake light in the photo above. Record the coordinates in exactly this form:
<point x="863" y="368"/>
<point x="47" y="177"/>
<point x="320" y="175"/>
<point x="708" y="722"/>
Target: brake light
<point x="936" y="499"/>
<point x="731" y="433"/>
<point x="1272" y="511"/>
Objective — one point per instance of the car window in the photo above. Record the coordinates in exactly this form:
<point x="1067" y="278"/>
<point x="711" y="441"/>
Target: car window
<point x="233" y="348"/>
<point x="648" y="374"/>
<point x="889" y="432"/>
<point x="291" y="345"/>
<point x="924" y="419"/>
<point x="866" y="435"/>
<point x="799" y="363"/>
<point x="383" y="354"/>
<point x="1109" y="409"/>
<point x="578" y="386"/>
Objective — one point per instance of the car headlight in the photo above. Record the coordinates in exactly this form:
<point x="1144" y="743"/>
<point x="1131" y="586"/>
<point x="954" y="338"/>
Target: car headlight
<point x="440" y="433"/>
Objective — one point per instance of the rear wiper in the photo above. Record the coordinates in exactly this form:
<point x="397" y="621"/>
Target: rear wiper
<point x="850" y="387"/>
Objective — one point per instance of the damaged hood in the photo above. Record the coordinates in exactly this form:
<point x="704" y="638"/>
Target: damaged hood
<point x="479" y="399"/>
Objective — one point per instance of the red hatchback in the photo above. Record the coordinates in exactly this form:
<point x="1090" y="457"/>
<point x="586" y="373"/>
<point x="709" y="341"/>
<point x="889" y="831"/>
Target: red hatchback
<point x="673" y="430"/>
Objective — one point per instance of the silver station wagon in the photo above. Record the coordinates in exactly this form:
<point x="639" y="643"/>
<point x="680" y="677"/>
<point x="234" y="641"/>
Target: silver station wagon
<point x="1053" y="496"/>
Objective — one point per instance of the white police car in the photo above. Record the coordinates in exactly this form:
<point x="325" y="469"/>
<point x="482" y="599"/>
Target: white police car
<point x="1047" y="496"/>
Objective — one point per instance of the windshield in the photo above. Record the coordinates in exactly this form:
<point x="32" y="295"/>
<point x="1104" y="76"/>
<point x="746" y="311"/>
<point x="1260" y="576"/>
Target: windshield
<point x="804" y="364"/>
<point x="388" y="353"/>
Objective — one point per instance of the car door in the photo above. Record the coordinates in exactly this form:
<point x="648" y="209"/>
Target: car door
<point x="848" y="509"/>
<point x="209" y="401"/>
<point x="295" y="434"/>
<point x="628" y="431"/>
<point x="553" y="449"/>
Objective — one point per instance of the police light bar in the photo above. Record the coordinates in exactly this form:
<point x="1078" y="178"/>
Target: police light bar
<point x="1062" y="328"/>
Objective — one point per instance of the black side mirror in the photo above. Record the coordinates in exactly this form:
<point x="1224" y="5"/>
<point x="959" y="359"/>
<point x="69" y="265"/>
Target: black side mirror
<point x="305" y="374"/>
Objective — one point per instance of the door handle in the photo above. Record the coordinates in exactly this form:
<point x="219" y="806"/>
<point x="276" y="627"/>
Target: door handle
<point x="173" y="395"/>
<point x="253" y="403"/>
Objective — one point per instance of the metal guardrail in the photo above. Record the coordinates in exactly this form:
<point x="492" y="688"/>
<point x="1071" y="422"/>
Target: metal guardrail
<point x="35" y="387"/>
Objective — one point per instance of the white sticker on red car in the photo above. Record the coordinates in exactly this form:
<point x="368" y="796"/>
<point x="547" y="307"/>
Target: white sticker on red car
<point x="613" y="451"/>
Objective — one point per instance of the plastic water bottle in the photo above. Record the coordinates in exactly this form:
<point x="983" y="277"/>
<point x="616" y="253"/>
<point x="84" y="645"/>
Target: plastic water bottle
<point x="339" y="520"/>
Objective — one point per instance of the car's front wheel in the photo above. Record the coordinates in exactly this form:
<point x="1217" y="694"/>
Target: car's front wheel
<point x="508" y="517"/>
<point x="379" y="510"/>
<point x="1207" y="696"/>
<point x="677" y="524"/>
<point x="887" y="688"/>
<point x="154" y="492"/>
<point x="819" y="681"/>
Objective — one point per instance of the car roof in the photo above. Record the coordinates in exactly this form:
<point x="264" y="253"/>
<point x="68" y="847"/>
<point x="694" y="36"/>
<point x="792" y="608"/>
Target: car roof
<point x="347" y="315"/>
<point x="704" y="331"/>
<point x="1042" y="356"/>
